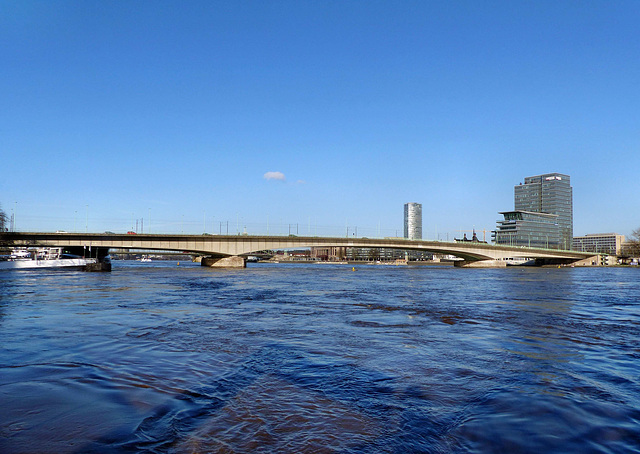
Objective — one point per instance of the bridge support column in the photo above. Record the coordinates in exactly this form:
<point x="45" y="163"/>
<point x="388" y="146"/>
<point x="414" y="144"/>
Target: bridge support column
<point x="101" y="265"/>
<point x="233" y="261"/>
<point x="103" y="262"/>
<point x="480" y="263"/>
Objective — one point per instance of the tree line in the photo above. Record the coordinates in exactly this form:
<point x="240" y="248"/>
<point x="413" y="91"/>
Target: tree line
<point x="3" y="228"/>
<point x="3" y="220"/>
<point x="632" y="245"/>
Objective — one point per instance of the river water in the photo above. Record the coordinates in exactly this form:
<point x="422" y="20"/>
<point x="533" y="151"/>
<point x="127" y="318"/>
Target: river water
<point x="156" y="357"/>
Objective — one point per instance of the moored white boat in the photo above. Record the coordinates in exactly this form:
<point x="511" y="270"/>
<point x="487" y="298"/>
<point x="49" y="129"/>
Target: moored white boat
<point x="23" y="259"/>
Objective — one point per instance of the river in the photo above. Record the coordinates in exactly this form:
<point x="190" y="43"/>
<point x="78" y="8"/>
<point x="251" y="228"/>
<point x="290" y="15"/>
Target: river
<point x="166" y="358"/>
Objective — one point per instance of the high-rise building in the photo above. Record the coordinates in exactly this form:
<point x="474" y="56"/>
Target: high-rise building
<point x="413" y="221"/>
<point x="542" y="216"/>
<point x="549" y="193"/>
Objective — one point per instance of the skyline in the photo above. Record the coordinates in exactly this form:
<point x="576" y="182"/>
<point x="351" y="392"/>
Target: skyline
<point x="327" y="114"/>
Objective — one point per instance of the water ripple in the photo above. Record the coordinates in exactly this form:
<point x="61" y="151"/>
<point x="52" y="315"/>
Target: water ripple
<point x="319" y="359"/>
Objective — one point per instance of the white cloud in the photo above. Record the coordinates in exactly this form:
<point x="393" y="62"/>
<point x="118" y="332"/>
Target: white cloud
<point x="274" y="176"/>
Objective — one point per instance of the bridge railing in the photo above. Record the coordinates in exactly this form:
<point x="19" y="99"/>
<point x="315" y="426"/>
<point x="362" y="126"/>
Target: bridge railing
<point x="216" y="226"/>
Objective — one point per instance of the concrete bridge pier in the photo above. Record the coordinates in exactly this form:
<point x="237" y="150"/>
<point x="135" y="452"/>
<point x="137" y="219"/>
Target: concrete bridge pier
<point x="233" y="261"/>
<point x="480" y="263"/>
<point x="100" y="253"/>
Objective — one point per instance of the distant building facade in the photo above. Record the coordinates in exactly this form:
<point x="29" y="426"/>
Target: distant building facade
<point x="526" y="228"/>
<point x="600" y="243"/>
<point x="542" y="215"/>
<point x="335" y="254"/>
<point x="328" y="253"/>
<point x="413" y="221"/>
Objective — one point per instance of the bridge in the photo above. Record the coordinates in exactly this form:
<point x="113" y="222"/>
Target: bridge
<point x="232" y="250"/>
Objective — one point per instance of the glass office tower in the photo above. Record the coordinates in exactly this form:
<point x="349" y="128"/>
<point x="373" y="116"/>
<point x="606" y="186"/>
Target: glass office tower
<point x="526" y="228"/>
<point x="413" y="221"/>
<point x="548" y="194"/>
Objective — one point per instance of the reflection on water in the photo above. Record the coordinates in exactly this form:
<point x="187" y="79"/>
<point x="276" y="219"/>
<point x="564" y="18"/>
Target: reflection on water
<point x="277" y="358"/>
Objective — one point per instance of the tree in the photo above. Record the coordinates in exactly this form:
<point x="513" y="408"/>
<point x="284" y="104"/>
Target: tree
<point x="632" y="245"/>
<point x="374" y="254"/>
<point x="3" y="229"/>
<point x="3" y="220"/>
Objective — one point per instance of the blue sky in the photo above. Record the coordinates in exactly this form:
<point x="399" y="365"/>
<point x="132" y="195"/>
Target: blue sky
<point x="174" y="112"/>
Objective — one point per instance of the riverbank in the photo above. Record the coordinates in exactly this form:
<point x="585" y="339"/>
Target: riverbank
<point x="363" y="262"/>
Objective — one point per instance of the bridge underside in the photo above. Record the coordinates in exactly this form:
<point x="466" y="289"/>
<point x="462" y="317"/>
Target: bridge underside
<point x="539" y="262"/>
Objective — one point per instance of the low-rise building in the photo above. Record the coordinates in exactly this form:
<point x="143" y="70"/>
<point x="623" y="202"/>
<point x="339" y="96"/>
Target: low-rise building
<point x="600" y="243"/>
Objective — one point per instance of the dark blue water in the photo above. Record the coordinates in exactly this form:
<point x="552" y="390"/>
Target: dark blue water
<point x="320" y="359"/>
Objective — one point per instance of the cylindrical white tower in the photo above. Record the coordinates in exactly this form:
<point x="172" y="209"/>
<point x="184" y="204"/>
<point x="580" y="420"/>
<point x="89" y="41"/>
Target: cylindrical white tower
<point x="413" y="221"/>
